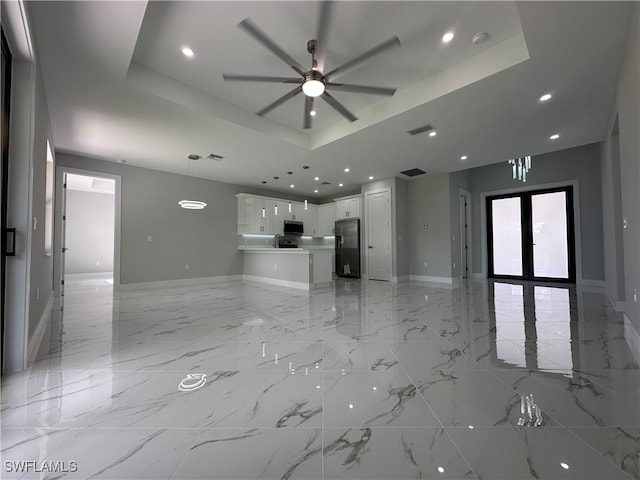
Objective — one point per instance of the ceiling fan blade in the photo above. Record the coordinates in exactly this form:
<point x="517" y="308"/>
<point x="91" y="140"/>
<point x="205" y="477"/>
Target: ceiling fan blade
<point x="321" y="35"/>
<point x="280" y="101"/>
<point x="308" y="106"/>
<point x="392" y="42"/>
<point x="258" y="78"/>
<point x="344" y="87"/>
<point x="338" y="106"/>
<point x="259" y="35"/>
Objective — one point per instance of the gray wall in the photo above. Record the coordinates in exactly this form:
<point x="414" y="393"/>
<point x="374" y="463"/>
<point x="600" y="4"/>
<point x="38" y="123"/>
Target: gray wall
<point x="41" y="271"/>
<point x="622" y="152"/>
<point x="581" y="164"/>
<point x="206" y="240"/>
<point x="89" y="234"/>
<point x="429" y="200"/>
<point x="402" y="227"/>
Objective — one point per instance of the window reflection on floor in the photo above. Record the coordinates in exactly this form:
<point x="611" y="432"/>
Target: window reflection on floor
<point x="533" y="326"/>
<point x="553" y="320"/>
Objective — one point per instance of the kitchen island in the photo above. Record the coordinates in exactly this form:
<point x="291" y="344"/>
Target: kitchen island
<point x="288" y="267"/>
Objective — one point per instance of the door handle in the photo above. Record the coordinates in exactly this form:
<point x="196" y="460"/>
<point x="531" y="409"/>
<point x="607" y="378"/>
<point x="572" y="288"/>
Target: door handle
<point x="370" y="246"/>
<point x="64" y="249"/>
<point x="11" y="252"/>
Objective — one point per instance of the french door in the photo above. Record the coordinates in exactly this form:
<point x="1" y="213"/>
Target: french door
<point x="531" y="236"/>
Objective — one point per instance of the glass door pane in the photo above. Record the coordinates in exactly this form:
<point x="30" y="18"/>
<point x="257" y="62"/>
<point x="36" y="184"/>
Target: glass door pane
<point x="507" y="236"/>
<point x="549" y="228"/>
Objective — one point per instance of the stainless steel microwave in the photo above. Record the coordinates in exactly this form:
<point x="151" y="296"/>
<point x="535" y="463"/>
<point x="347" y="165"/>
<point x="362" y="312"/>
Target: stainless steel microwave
<point x="292" y="227"/>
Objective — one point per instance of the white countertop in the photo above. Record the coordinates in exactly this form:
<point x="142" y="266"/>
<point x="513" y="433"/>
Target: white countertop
<point x="307" y="248"/>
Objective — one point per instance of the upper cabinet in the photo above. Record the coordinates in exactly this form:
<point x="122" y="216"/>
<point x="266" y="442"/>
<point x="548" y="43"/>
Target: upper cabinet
<point x="348" y="207"/>
<point x="326" y="219"/>
<point x="263" y="215"/>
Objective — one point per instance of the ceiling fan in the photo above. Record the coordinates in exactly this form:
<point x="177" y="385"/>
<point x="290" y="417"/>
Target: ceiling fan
<point x="314" y="82"/>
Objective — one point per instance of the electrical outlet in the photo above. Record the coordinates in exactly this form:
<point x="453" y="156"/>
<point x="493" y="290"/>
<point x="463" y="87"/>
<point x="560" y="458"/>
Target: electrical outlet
<point x="275" y="267"/>
<point x="98" y="263"/>
<point x="37" y="294"/>
<point x="635" y="295"/>
<point x="425" y="264"/>
<point x="454" y="264"/>
<point x="149" y="239"/>
<point x="186" y="267"/>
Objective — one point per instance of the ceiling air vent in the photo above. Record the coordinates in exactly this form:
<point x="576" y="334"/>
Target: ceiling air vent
<point x="213" y="156"/>
<point x="193" y="156"/>
<point x="419" y="130"/>
<point x="325" y="183"/>
<point x="413" y="172"/>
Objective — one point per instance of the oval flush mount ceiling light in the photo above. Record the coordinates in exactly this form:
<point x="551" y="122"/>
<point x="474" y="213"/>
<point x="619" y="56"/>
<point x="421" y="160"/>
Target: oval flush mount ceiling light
<point x="545" y="97"/>
<point x="447" y="37"/>
<point x="187" y="52"/>
<point x="192" y="204"/>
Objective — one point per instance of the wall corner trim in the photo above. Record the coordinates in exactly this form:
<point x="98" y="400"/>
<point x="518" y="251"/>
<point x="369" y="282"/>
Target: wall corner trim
<point x="38" y="334"/>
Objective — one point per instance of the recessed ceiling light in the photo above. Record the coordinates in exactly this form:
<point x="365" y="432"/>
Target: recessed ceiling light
<point x="346" y="170"/>
<point x="447" y="37"/>
<point x="441" y="469"/>
<point x="463" y="157"/>
<point x="312" y="113"/>
<point x="187" y="52"/>
<point x="291" y="186"/>
<point x="315" y="191"/>
<point x="316" y="178"/>
<point x="341" y="184"/>
<point x="545" y="97"/>
<point x="555" y="136"/>
<point x="564" y="465"/>
<point x="432" y="133"/>
<point x="371" y="177"/>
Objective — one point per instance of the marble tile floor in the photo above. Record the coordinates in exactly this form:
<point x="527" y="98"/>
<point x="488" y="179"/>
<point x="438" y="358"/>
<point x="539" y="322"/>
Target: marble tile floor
<point x="359" y="380"/>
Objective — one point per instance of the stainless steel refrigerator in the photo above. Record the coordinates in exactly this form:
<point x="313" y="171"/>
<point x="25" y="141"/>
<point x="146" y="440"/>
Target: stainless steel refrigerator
<point x="347" y="234"/>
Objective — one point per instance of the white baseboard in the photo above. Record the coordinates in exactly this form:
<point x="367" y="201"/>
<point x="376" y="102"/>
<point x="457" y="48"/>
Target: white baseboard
<point x="275" y="281"/>
<point x="632" y="337"/>
<point x="431" y="279"/>
<point x="590" y="283"/>
<point x="401" y="278"/>
<point x="184" y="282"/>
<point x="36" y="339"/>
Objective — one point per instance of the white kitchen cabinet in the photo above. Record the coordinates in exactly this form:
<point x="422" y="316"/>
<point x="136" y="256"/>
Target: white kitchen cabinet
<point x="326" y="219"/>
<point x="259" y="215"/>
<point x="310" y="219"/>
<point x="348" y="207"/>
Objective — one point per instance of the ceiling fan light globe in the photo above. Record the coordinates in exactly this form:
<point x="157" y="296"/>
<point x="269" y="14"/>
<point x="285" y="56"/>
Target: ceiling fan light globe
<point x="313" y="88"/>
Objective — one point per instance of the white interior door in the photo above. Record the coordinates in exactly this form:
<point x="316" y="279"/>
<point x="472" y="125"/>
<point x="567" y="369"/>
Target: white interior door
<point x="379" y="235"/>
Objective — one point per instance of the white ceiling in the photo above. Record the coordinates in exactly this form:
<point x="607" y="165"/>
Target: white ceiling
<point x="119" y="88"/>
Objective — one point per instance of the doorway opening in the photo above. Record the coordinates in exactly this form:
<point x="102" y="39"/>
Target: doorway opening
<point x="88" y="236"/>
<point x="530" y="235"/>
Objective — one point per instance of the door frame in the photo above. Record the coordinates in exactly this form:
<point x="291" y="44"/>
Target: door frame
<point x="465" y="234"/>
<point x="4" y="179"/>
<point x="529" y="188"/>
<point x="386" y="190"/>
<point x="58" y="273"/>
